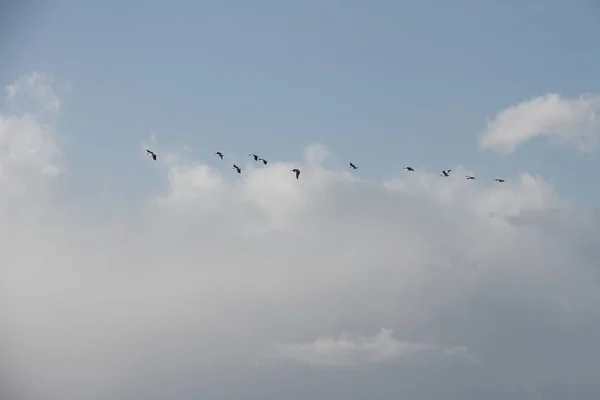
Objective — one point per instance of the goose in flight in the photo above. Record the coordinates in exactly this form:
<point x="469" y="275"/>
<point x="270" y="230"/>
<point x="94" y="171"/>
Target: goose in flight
<point x="409" y="169"/>
<point x="238" y="169"/>
<point x="470" y="177"/>
<point x="254" y="156"/>
<point x="218" y="153"/>
<point x="445" y="172"/>
<point x="297" y="172"/>
<point x="263" y="160"/>
<point x="152" y="154"/>
<point x="353" y="166"/>
<point x="499" y="180"/>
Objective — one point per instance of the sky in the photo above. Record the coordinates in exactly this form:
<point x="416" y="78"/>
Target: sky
<point x="127" y="278"/>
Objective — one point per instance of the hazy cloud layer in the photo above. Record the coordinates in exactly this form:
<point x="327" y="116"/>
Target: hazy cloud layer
<point x="567" y="121"/>
<point x="349" y="350"/>
<point x="483" y="291"/>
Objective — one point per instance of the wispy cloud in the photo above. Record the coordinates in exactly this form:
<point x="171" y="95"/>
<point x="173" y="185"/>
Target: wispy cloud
<point x="568" y="121"/>
<point x="354" y="350"/>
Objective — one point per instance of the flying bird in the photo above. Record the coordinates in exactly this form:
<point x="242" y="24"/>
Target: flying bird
<point x="297" y="172"/>
<point x="218" y="153"/>
<point x="353" y="166"/>
<point x="499" y="180"/>
<point x="263" y="160"/>
<point x="238" y="169"/>
<point x="152" y="154"/>
<point x="470" y="177"/>
<point x="409" y="169"/>
<point x="254" y="156"/>
<point x="445" y="172"/>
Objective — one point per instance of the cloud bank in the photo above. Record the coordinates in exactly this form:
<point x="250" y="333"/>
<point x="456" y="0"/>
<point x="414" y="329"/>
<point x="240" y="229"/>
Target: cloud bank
<point x="228" y="286"/>
<point x="568" y="121"/>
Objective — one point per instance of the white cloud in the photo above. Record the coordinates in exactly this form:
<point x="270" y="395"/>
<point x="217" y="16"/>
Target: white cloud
<point x="316" y="154"/>
<point x="36" y="93"/>
<point x="180" y="299"/>
<point x="568" y="121"/>
<point x="354" y="350"/>
<point x="29" y="153"/>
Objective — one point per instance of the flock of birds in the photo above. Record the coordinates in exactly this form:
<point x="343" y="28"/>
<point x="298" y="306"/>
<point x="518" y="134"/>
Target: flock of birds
<point x="445" y="173"/>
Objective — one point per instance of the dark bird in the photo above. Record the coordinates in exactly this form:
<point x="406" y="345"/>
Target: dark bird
<point x="353" y="166"/>
<point x="152" y="154"/>
<point x="470" y="177"/>
<point x="446" y="172"/>
<point x="297" y="172"/>
<point x="254" y="156"/>
<point x="263" y="160"/>
<point x="218" y="153"/>
<point x="499" y="180"/>
<point x="409" y="169"/>
<point x="238" y="169"/>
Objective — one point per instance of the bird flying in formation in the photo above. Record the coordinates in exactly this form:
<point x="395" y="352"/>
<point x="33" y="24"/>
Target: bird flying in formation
<point x="257" y="158"/>
<point x="296" y="171"/>
<point x="152" y="154"/>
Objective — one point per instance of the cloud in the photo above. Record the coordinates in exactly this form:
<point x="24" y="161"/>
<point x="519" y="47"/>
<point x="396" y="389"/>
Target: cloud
<point x="181" y="298"/>
<point x="36" y="93"/>
<point x="29" y="152"/>
<point x="352" y="350"/>
<point x="568" y="121"/>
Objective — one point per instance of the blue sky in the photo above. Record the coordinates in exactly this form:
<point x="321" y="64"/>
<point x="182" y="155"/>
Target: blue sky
<point x="382" y="83"/>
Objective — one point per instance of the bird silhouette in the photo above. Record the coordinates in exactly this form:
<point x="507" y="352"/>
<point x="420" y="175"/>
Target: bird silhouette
<point x="296" y="171"/>
<point x="152" y="154"/>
